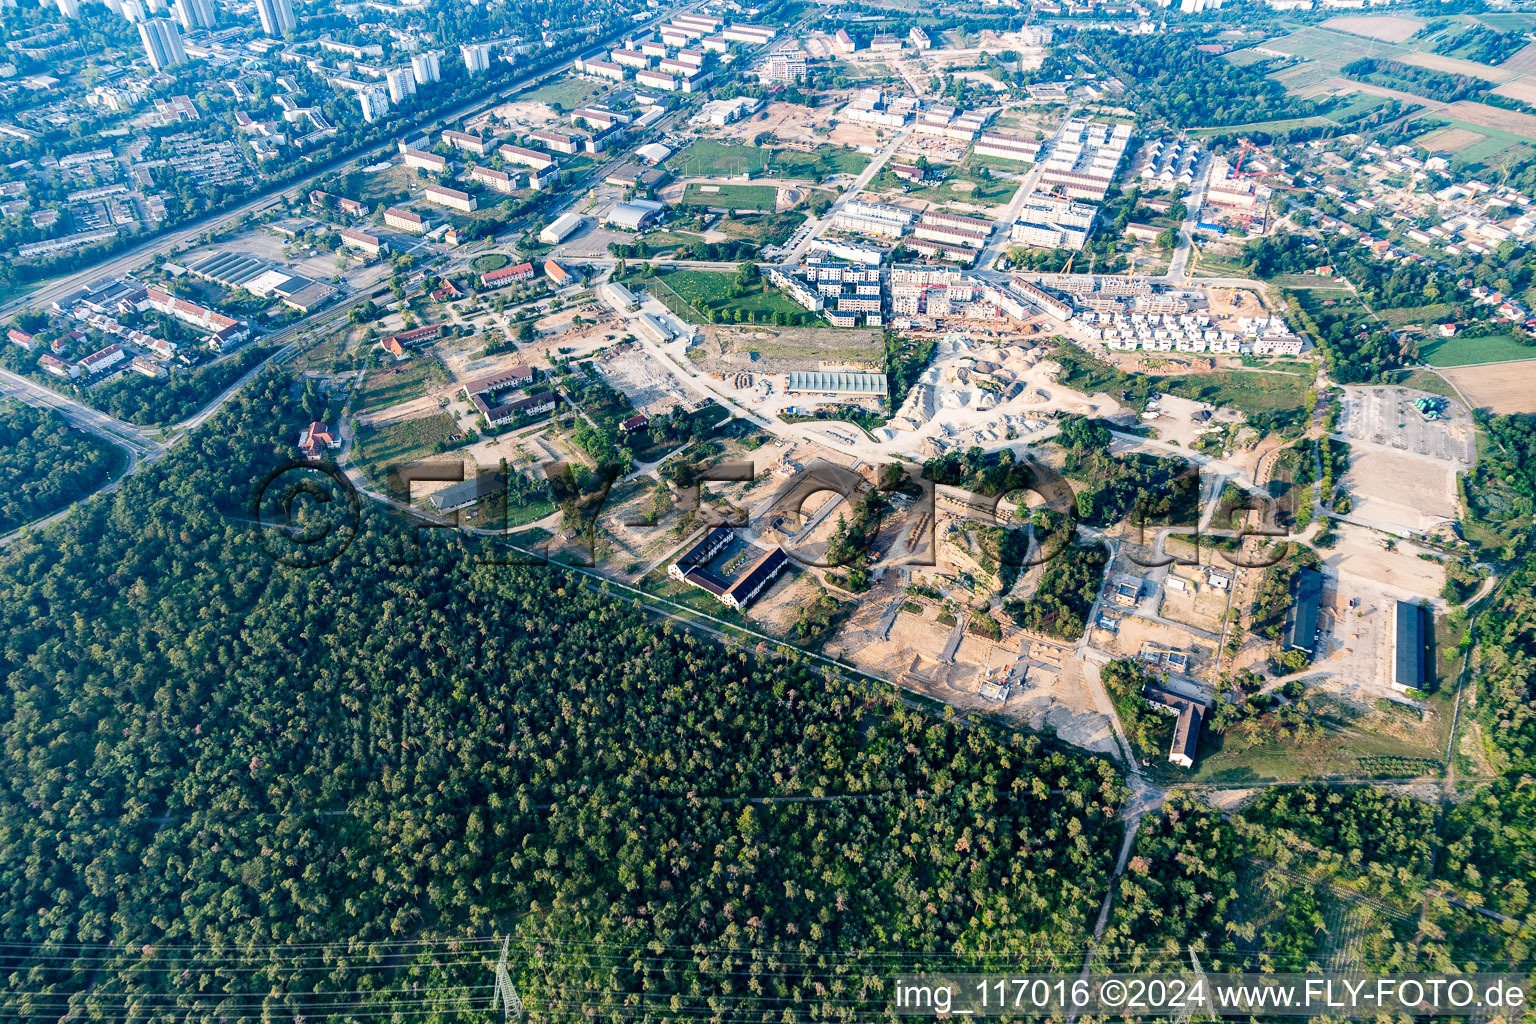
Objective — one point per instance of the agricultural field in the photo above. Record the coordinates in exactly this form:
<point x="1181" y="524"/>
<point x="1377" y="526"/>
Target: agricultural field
<point x="1470" y="145"/>
<point x="1331" y="49"/>
<point x="1457" y="66"/>
<point x="1502" y="388"/>
<point x="1388" y="28"/>
<point x="1459" y="351"/>
<point x="1522" y="89"/>
<point x="754" y="198"/>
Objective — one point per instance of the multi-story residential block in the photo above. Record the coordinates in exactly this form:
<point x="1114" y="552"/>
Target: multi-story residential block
<point x="162" y="43"/>
<point x="477" y="57"/>
<point x="276" y="17"/>
<point x="466" y="142"/>
<point x="426" y="67"/>
<point x="427" y="161"/>
<point x="873" y="219"/>
<point x="363" y="241"/>
<point x="499" y="181"/>
<point x="525" y="157"/>
<point x="405" y="220"/>
<point x="401" y="83"/>
<point x="450" y="197"/>
<point x="656" y="80"/>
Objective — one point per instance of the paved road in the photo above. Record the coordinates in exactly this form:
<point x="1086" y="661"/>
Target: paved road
<point x="133" y="438"/>
<point x="864" y="178"/>
<point x="999" y="243"/>
<point x="1178" y="263"/>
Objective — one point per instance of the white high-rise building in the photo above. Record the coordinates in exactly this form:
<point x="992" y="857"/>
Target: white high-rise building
<point x="402" y="83"/>
<point x="156" y="6"/>
<point x="477" y="57"/>
<point x="134" y="11"/>
<point x="426" y="68"/>
<point x="374" y="102"/>
<point x="276" y="16"/>
<point x="194" y="14"/>
<point x="69" y="8"/>
<point x="162" y="43"/>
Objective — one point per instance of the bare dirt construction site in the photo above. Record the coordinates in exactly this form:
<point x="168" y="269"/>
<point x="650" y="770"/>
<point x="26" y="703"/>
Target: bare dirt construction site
<point x="1362" y="553"/>
<point x="1045" y="696"/>
<point x="1499" y="387"/>
<point x="800" y="127"/>
<point x="1400" y="492"/>
<point x="527" y="113"/>
<point x="782" y="349"/>
<point x="651" y="387"/>
<point x="1389" y="28"/>
<point x="1233" y="302"/>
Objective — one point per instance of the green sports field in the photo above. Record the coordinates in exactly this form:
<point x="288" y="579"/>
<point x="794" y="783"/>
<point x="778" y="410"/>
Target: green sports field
<point x="756" y="198"/>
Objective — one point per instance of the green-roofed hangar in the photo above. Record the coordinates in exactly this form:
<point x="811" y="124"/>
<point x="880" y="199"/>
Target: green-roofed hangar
<point x="870" y="385"/>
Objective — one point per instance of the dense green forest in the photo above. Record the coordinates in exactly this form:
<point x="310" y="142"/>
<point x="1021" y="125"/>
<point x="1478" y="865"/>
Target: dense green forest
<point x="213" y="760"/>
<point x="45" y="464"/>
<point x="1329" y="877"/>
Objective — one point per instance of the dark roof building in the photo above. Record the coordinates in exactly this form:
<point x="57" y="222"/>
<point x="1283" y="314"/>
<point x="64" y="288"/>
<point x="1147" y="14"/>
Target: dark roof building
<point x="462" y="495"/>
<point x="713" y="542"/>
<point x="740" y="592"/>
<point x="1410" y="641"/>
<point x="1186" y="732"/>
<point x="1301" y="619"/>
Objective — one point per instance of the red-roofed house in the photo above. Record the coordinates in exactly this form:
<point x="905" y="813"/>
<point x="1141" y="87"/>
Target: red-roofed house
<point x="21" y="338"/>
<point x="418" y="336"/>
<point x="316" y="438"/>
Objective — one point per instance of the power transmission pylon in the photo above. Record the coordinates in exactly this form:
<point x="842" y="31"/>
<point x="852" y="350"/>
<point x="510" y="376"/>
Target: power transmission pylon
<point x="1185" y="1016"/>
<point x="504" y="993"/>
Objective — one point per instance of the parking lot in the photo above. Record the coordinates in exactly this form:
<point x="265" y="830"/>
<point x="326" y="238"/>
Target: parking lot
<point x="1386" y="416"/>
